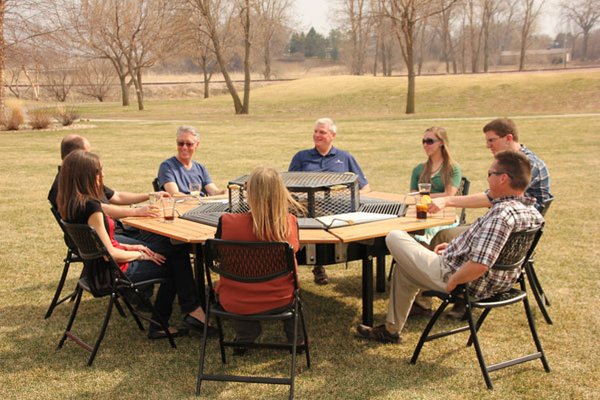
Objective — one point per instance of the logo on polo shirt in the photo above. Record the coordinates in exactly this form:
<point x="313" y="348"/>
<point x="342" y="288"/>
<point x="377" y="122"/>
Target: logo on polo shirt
<point x="338" y="162"/>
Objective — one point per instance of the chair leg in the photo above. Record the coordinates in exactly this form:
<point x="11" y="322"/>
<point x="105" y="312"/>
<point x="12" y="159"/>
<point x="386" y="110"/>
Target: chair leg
<point x="478" y="324"/>
<point x="221" y="339"/>
<point x="63" y="277"/>
<point x="119" y="308"/>
<point x="111" y="302"/>
<point x="132" y="312"/>
<point x="294" y="347"/>
<point x="78" y="293"/>
<point x="425" y="334"/>
<point x="203" y="350"/>
<point x="482" y="366"/>
<point x="392" y="265"/>
<point x="536" y="339"/>
<point x="306" y="340"/>
<point x="538" y="292"/>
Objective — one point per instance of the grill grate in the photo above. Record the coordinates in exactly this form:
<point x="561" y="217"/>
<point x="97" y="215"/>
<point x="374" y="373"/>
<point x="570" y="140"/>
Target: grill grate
<point x="321" y="193"/>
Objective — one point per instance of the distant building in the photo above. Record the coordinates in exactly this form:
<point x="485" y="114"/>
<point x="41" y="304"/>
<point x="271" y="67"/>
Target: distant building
<point x="543" y="56"/>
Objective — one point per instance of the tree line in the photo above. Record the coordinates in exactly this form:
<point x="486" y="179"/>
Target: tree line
<point x="95" y="44"/>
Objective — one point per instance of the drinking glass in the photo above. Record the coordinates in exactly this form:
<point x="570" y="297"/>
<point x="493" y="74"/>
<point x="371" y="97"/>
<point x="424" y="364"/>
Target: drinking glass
<point x="195" y="189"/>
<point x="168" y="204"/>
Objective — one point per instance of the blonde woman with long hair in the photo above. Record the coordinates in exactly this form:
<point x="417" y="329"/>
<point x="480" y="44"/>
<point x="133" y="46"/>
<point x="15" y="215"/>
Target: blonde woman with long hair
<point x="439" y="169"/>
<point x="268" y="220"/>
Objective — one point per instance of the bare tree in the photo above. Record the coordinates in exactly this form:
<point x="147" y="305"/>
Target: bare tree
<point x="356" y="14"/>
<point x="271" y="15"/>
<point x="217" y="20"/>
<point x="95" y="78"/>
<point x="405" y="14"/>
<point x="445" y="26"/>
<point x="585" y="14"/>
<point x="531" y="10"/>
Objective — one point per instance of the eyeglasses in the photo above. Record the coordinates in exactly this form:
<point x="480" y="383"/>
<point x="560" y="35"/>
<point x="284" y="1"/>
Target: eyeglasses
<point x="188" y="144"/>
<point x="492" y="140"/>
<point x="429" y="141"/>
<point x="490" y="173"/>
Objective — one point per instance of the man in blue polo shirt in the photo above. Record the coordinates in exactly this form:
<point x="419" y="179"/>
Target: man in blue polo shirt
<point x="326" y="158"/>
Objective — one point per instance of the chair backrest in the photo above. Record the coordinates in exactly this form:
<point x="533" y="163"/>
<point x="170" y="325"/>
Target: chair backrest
<point x="100" y="270"/>
<point x="463" y="190"/>
<point x="66" y="237"/>
<point x="545" y="206"/>
<point x="156" y="184"/>
<point x="249" y="261"/>
<point x="518" y="248"/>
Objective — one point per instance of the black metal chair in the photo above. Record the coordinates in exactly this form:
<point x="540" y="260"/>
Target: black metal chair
<point x="514" y="255"/>
<point x="102" y="277"/>
<point x="71" y="257"/>
<point x="463" y="190"/>
<point x="156" y="184"/>
<point x="536" y="287"/>
<point x="252" y="262"/>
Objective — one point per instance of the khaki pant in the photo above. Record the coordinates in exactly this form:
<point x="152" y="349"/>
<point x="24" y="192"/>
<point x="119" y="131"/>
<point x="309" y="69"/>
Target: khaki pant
<point x="416" y="268"/>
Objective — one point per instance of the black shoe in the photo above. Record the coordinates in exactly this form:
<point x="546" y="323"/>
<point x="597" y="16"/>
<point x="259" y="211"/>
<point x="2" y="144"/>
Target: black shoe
<point x="156" y="334"/>
<point x="418" y="311"/>
<point x="198" y="326"/>
<point x="458" y="312"/>
<point x="378" y="334"/>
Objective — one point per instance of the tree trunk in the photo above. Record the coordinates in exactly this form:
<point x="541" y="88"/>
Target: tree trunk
<point x="124" y="90"/>
<point x="410" y="94"/>
<point x="2" y="58"/>
<point x="139" y="89"/>
<point x="267" y="61"/>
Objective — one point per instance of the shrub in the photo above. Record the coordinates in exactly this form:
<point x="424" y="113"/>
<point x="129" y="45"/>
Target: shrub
<point x="15" y="118"/>
<point x="66" y="115"/>
<point x="39" y="118"/>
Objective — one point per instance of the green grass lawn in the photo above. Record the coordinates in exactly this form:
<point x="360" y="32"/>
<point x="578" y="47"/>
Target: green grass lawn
<point x="558" y="114"/>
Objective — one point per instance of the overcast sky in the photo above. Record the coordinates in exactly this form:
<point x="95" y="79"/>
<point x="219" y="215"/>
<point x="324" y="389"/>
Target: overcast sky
<point x="317" y="13"/>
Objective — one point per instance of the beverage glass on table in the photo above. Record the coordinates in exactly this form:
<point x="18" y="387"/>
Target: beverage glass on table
<point x="195" y="189"/>
<point x="153" y="198"/>
<point x="168" y="204"/>
<point x="423" y="200"/>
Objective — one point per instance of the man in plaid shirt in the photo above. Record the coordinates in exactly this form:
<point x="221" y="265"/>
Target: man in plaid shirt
<point x="469" y="257"/>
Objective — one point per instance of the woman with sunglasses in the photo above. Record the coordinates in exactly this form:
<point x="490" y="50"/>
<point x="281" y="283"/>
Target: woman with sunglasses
<point x="269" y="220"/>
<point x="177" y="173"/>
<point x="444" y="175"/>
<point x="439" y="169"/>
<point x="80" y="190"/>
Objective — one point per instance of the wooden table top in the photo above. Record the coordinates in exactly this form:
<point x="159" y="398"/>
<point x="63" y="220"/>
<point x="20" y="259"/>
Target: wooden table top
<point x="193" y="232"/>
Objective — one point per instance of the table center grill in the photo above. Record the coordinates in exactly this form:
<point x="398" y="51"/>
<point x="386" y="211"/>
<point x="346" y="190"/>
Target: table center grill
<point x="323" y="194"/>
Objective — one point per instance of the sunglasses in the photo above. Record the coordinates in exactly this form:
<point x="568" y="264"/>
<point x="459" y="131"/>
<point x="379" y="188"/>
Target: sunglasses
<point x="429" y="141"/>
<point x="490" y="173"/>
<point x="188" y="144"/>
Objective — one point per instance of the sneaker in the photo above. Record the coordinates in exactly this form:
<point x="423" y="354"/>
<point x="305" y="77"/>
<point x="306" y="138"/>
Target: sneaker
<point x="378" y="334"/>
<point x="458" y="312"/>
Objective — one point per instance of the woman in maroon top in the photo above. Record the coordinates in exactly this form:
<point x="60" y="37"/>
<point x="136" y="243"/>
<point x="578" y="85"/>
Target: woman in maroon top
<point x="269" y="220"/>
<point x="80" y="189"/>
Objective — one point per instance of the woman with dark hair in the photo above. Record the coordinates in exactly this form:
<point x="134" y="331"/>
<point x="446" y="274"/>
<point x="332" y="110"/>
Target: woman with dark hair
<point x="269" y="220"/>
<point x="80" y="190"/>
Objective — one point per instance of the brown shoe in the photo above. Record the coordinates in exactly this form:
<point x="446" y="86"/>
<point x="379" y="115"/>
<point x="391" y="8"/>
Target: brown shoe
<point x="321" y="277"/>
<point x="458" y="312"/>
<point x="417" y="311"/>
<point x="378" y="334"/>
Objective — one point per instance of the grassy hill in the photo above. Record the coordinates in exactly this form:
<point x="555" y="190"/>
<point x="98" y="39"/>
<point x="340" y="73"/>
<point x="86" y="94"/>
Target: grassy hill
<point x="558" y="117"/>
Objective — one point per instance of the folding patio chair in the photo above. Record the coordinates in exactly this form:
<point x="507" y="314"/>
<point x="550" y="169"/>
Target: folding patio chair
<point x="513" y="255"/>
<point x="102" y="277"/>
<point x="71" y="257"/>
<point x="536" y="287"/>
<point x="252" y="262"/>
